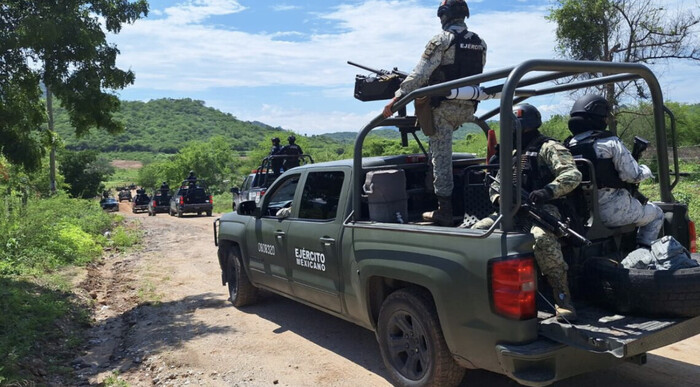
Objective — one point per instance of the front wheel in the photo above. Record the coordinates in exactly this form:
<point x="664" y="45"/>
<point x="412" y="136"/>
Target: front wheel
<point x="241" y="291"/>
<point x="411" y="341"/>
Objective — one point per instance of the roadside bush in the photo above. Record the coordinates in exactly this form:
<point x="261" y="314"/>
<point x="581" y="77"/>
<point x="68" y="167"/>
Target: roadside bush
<point x="51" y="233"/>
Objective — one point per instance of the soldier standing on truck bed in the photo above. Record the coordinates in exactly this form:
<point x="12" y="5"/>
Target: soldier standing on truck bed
<point x="292" y="151"/>
<point x="616" y="171"/>
<point x="276" y="163"/>
<point x="549" y="173"/>
<point x="454" y="53"/>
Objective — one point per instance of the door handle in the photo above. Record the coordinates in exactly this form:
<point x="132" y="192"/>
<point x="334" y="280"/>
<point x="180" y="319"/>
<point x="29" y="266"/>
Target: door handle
<point x="280" y="234"/>
<point x="327" y="240"/>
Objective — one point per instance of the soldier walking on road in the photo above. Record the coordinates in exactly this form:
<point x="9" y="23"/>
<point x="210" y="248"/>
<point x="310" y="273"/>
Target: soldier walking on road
<point x="616" y="171"/>
<point x="454" y="53"/>
<point x="549" y="173"/>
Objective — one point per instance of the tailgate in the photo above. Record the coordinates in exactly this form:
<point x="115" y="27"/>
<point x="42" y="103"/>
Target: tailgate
<point x="599" y="330"/>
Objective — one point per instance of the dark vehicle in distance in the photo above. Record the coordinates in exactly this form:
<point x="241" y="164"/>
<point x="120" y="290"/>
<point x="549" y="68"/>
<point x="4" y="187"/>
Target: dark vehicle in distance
<point x="140" y="202"/>
<point x="125" y="194"/>
<point x="159" y="203"/>
<point x="255" y="184"/>
<point x="191" y="197"/>
<point x="109" y="204"/>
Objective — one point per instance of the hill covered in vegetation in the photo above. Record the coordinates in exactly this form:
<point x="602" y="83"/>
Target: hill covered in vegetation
<point x="165" y="126"/>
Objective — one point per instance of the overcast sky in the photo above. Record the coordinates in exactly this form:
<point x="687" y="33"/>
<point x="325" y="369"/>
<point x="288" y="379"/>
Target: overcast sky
<point x="284" y="62"/>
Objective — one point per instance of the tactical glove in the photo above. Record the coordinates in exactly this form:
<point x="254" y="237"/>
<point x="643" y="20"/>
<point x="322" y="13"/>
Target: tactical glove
<point x="540" y="196"/>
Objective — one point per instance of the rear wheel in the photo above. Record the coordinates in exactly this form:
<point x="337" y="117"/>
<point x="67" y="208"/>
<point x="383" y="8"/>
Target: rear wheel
<point x="209" y="213"/>
<point x="411" y="341"/>
<point x="179" y="213"/>
<point x="241" y="291"/>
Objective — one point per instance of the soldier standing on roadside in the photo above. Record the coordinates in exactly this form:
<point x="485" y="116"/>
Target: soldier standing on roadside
<point x="454" y="53"/>
<point x="549" y="173"/>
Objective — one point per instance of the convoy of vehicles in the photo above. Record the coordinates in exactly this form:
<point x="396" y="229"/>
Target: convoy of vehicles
<point x="346" y="237"/>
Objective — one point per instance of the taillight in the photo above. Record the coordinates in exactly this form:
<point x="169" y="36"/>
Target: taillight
<point x="182" y="200"/>
<point x="693" y="237"/>
<point x="211" y="200"/>
<point x="513" y="287"/>
<point x="154" y="203"/>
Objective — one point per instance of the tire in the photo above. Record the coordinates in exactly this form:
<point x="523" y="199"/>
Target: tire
<point x="179" y="213"/>
<point x="208" y="213"/>
<point x="650" y="292"/>
<point x="412" y="344"/>
<point x="240" y="290"/>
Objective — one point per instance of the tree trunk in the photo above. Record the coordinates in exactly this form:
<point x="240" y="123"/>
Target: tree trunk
<point x="52" y="154"/>
<point x="610" y="96"/>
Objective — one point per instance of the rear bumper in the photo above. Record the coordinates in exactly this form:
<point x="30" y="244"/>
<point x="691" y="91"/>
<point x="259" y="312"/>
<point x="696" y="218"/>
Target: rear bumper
<point x="187" y="208"/>
<point x="546" y="361"/>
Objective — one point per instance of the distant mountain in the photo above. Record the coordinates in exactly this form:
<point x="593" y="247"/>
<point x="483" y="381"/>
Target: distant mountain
<point x="165" y="125"/>
<point x="349" y="137"/>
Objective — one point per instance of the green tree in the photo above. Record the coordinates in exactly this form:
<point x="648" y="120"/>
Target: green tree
<point x="633" y="31"/>
<point x="62" y="44"/>
<point x="84" y="172"/>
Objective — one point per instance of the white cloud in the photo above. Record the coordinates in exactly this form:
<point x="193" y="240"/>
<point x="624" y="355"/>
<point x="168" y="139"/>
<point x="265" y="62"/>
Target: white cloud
<point x="284" y="7"/>
<point x="181" y="52"/>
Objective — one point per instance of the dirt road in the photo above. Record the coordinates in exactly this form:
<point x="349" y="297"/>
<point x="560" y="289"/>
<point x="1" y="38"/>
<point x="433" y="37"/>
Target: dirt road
<point x="162" y="318"/>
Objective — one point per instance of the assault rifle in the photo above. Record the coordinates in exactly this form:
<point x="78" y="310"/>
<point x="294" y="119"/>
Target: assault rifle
<point x="379" y="87"/>
<point x="640" y="145"/>
<point x="546" y="220"/>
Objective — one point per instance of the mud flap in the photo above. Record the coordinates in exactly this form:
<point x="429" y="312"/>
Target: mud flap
<point x="600" y="331"/>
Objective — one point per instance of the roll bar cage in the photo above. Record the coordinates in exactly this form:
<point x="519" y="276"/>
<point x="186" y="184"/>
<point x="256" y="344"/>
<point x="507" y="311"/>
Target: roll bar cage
<point x="513" y="92"/>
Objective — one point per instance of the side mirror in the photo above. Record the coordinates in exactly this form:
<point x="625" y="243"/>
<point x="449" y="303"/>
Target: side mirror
<point x="247" y="208"/>
<point x="235" y="191"/>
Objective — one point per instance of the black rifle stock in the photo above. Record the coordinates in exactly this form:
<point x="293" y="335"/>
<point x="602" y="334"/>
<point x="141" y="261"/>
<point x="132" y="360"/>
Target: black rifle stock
<point x="546" y="220"/>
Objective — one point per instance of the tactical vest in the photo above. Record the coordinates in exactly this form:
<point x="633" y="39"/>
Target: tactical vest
<point x="469" y="58"/>
<point x="535" y="176"/>
<point x="606" y="175"/>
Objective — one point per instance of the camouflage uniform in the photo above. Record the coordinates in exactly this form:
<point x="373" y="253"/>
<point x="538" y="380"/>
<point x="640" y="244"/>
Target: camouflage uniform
<point x="450" y="114"/>
<point x="617" y="205"/>
<point x="547" y="248"/>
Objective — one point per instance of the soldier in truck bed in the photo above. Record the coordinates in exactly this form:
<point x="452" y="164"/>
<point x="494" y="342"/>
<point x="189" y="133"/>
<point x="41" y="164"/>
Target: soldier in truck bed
<point x="549" y="173"/>
<point x="452" y="54"/>
<point x="615" y="170"/>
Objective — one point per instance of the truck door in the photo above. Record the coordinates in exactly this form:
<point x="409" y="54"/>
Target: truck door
<point x="314" y="238"/>
<point x="268" y="244"/>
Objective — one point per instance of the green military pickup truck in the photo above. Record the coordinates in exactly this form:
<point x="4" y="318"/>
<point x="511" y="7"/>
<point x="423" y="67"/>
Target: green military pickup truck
<point x="346" y="237"/>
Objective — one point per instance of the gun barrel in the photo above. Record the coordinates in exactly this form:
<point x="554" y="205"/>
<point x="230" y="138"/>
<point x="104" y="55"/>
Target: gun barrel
<point x="378" y="72"/>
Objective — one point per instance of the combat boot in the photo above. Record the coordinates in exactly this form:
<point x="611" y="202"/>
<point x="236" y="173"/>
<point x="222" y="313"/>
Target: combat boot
<point x="562" y="298"/>
<point x="443" y="215"/>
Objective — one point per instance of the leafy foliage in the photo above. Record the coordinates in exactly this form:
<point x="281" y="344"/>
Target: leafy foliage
<point x="61" y="44"/>
<point x="84" y="173"/>
<point x="629" y="31"/>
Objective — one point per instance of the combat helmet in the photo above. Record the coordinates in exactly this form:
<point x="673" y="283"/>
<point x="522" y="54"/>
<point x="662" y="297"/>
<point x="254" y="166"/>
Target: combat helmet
<point x="528" y="116"/>
<point x="452" y="9"/>
<point x="291" y="139"/>
<point x="589" y="112"/>
<point x="592" y="105"/>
